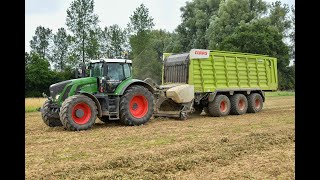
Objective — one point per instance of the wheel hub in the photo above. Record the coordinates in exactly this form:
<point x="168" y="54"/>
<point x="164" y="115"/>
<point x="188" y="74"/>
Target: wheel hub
<point x="241" y="104"/>
<point x="134" y="106"/>
<point x="79" y="113"/>
<point x="223" y="106"/>
<point x="138" y="106"/>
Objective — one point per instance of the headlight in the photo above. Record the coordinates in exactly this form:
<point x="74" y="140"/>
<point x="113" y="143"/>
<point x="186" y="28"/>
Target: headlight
<point x="57" y="97"/>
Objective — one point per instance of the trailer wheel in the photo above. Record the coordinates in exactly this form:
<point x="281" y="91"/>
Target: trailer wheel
<point x="136" y="106"/>
<point x="239" y="104"/>
<point x="104" y="119"/>
<point x="78" y="112"/>
<point x="255" y="103"/>
<point x="49" y="121"/>
<point x="220" y="106"/>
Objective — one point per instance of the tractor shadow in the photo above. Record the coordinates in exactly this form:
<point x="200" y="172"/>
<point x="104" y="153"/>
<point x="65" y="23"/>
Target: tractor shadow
<point x="100" y="124"/>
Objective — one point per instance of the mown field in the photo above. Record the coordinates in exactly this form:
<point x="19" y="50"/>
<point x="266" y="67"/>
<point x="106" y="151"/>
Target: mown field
<point x="250" y="146"/>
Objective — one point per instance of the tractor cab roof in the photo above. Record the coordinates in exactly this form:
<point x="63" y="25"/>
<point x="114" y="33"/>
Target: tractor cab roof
<point x="112" y="60"/>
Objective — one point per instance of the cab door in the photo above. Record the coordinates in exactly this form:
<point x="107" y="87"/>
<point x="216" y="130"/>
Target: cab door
<point x="115" y="74"/>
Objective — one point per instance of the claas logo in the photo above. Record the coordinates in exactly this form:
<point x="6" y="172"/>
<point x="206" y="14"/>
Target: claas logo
<point x="201" y="52"/>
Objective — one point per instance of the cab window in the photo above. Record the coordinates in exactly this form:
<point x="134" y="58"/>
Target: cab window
<point x="127" y="70"/>
<point x="96" y="70"/>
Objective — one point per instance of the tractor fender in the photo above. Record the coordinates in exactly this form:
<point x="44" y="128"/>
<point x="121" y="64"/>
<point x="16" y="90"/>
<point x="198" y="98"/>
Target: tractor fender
<point x="95" y="100"/>
<point x="136" y="82"/>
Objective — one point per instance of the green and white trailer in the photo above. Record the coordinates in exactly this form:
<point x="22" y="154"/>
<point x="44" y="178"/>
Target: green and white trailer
<point x="223" y="82"/>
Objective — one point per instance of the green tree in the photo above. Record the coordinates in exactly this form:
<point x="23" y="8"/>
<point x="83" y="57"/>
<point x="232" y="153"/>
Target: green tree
<point x="195" y="22"/>
<point x="40" y="41"/>
<point x="116" y="38"/>
<point x="139" y="29"/>
<point x="172" y="43"/>
<point x="93" y="44"/>
<point x="140" y="21"/>
<point x="27" y="59"/>
<point x="279" y="17"/>
<point x="145" y="57"/>
<point x="37" y="76"/>
<point x="61" y="43"/>
<point x="229" y="16"/>
<point x="292" y="34"/>
<point x="160" y="39"/>
<point x="82" y="22"/>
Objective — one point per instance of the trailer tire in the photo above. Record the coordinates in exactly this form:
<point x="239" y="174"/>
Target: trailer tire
<point x="78" y="112"/>
<point x="49" y="121"/>
<point x="255" y="103"/>
<point x="239" y="104"/>
<point x="136" y="106"/>
<point x="220" y="106"/>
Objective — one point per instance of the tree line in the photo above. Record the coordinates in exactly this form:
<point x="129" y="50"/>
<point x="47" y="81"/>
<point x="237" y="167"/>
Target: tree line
<point x="251" y="26"/>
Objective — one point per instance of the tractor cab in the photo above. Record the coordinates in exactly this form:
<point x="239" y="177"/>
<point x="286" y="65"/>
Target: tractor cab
<point x="110" y="73"/>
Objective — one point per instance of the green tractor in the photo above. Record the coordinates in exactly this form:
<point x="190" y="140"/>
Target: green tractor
<point x="109" y="93"/>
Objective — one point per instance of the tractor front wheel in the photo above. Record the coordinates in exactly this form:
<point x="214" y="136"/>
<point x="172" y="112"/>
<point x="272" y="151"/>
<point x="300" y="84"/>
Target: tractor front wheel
<point x="78" y="112"/>
<point x="136" y="106"/>
<point x="47" y="119"/>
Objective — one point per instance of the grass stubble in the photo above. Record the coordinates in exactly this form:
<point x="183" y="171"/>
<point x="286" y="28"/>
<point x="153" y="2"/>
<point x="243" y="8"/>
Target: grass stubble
<point x="250" y="146"/>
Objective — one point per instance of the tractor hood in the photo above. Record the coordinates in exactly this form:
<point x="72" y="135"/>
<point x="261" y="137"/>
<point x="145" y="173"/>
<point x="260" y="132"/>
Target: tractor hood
<point x="57" y="88"/>
<point x="62" y="90"/>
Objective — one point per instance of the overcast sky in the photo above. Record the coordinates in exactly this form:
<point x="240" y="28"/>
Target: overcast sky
<point x="52" y="13"/>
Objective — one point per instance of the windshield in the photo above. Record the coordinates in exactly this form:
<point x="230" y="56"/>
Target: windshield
<point x="115" y="71"/>
<point x="96" y="70"/>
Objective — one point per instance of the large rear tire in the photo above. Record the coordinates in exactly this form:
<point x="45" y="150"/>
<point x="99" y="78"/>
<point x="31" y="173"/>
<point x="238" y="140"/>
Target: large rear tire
<point x="239" y="104"/>
<point x="136" y="106"/>
<point x="255" y="103"/>
<point x="49" y="121"/>
<point x="78" y="112"/>
<point x="220" y="106"/>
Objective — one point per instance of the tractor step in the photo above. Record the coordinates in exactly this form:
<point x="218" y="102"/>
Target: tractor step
<point x="113" y="115"/>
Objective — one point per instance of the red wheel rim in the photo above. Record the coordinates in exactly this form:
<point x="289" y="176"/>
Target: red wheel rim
<point x="138" y="106"/>
<point x="81" y="113"/>
<point x="241" y="104"/>
<point x="223" y="106"/>
<point x="257" y="103"/>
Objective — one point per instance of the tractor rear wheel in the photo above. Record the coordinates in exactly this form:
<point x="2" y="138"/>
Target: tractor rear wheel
<point x="220" y="106"/>
<point x="239" y="104"/>
<point x="255" y="103"/>
<point x="47" y="119"/>
<point x="136" y="106"/>
<point x="78" y="112"/>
